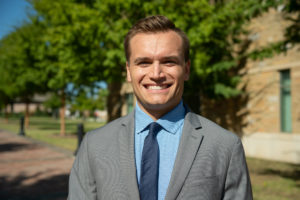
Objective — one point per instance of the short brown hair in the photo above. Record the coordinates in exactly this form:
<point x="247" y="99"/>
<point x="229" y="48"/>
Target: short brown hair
<point x="155" y="24"/>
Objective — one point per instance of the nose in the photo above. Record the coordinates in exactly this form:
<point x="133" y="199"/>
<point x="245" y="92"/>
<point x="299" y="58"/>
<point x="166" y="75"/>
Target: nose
<point x="157" y="71"/>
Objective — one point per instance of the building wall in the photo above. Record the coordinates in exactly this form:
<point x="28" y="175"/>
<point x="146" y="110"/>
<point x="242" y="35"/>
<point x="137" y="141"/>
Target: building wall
<point x="21" y="107"/>
<point x="264" y="138"/>
<point x="263" y="79"/>
<point x="125" y="91"/>
<point x="296" y="98"/>
<point x="273" y="146"/>
<point x="264" y="104"/>
<point x="36" y="104"/>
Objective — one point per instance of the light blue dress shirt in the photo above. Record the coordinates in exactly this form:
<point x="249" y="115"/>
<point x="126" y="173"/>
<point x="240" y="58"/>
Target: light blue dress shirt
<point x="168" y="141"/>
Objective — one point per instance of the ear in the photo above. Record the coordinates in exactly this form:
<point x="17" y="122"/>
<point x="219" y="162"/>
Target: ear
<point x="187" y="70"/>
<point x="128" y="76"/>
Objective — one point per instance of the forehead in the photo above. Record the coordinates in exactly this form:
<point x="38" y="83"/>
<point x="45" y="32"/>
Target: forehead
<point x="154" y="44"/>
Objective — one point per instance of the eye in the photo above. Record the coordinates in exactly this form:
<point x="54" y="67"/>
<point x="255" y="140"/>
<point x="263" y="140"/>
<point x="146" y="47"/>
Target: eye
<point x="144" y="63"/>
<point x="170" y="62"/>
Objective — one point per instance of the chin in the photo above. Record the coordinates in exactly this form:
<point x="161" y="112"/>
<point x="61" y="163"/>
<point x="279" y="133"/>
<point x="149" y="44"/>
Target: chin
<point x="159" y="106"/>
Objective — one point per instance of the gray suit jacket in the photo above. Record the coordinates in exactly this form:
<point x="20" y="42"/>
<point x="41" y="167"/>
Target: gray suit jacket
<point x="210" y="164"/>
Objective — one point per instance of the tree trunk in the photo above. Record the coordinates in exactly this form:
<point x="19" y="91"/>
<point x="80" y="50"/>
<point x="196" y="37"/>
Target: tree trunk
<point x="114" y="101"/>
<point x="6" y="113"/>
<point x="26" y="120"/>
<point x="212" y="2"/>
<point x="192" y="96"/>
<point x="193" y="101"/>
<point x="62" y="114"/>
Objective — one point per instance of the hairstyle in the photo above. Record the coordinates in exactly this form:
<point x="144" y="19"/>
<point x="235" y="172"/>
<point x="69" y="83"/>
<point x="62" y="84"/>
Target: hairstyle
<point x="156" y="24"/>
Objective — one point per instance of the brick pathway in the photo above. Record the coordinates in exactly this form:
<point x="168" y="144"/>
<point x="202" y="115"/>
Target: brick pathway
<point x="32" y="171"/>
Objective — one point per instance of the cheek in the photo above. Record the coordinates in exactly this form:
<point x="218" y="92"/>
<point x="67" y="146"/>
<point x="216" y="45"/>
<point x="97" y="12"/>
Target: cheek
<point x="177" y="74"/>
<point x="136" y="79"/>
<point x="139" y="74"/>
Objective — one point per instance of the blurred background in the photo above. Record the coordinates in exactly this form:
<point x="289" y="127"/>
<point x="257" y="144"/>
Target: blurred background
<point x="62" y="73"/>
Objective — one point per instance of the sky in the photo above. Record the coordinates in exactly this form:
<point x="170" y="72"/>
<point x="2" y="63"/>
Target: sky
<point x="12" y="14"/>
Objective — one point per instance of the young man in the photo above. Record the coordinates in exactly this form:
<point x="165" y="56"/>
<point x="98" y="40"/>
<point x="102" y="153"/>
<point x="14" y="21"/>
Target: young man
<point x="162" y="150"/>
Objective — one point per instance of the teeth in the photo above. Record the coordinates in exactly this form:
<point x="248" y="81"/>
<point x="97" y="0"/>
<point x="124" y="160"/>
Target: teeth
<point x="156" y="87"/>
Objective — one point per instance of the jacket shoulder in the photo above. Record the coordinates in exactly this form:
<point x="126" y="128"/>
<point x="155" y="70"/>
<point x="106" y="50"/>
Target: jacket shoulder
<point x="107" y="133"/>
<point x="212" y="130"/>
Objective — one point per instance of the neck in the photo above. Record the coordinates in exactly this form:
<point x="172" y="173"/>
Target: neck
<point x="157" y="111"/>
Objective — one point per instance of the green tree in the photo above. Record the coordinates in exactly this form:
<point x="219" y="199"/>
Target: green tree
<point x="21" y="77"/>
<point x="83" y="43"/>
<point x="293" y="14"/>
<point x="4" y="101"/>
<point x="72" y="50"/>
<point x="101" y="99"/>
<point x="53" y="103"/>
<point x="215" y="29"/>
<point x="89" y="99"/>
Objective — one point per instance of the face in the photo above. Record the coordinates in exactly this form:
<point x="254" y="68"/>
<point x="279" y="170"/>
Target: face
<point x="157" y="71"/>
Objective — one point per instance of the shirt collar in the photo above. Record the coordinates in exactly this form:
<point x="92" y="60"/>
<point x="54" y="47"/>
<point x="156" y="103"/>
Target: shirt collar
<point x="171" y="121"/>
<point x="142" y="120"/>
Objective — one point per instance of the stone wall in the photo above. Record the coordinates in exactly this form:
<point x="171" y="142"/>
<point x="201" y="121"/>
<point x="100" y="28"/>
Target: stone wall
<point x="296" y="98"/>
<point x="273" y="146"/>
<point x="263" y="138"/>
<point x="263" y="78"/>
<point x="126" y="89"/>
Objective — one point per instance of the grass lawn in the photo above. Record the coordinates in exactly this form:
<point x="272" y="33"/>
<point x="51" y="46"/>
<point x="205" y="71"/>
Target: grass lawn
<point x="274" y="180"/>
<point x="270" y="180"/>
<point x="47" y="129"/>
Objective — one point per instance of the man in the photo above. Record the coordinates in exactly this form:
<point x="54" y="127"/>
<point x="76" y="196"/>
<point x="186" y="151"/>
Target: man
<point x="180" y="156"/>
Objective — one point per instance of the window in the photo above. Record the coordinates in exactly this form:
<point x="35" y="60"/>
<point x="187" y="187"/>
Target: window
<point x="285" y="101"/>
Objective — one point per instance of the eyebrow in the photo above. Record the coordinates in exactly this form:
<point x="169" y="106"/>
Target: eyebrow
<point x="176" y="58"/>
<point x="141" y="59"/>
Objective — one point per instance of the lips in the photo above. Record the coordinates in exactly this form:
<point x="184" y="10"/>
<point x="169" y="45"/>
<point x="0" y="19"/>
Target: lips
<point x="157" y="87"/>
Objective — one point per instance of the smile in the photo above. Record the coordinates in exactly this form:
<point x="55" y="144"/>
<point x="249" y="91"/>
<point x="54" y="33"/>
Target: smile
<point x="157" y="87"/>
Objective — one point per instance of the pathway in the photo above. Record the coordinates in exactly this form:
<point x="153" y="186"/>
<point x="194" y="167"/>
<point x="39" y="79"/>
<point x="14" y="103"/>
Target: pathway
<point x="32" y="171"/>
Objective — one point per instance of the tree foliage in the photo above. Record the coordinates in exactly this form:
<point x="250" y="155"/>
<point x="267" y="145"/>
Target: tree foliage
<point x="81" y="42"/>
<point x="89" y="100"/>
<point x="71" y="52"/>
<point x="21" y="76"/>
<point x="292" y="33"/>
<point x="215" y="29"/>
<point x="291" y="13"/>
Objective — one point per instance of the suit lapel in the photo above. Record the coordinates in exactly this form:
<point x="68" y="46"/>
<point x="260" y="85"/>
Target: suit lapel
<point x="127" y="159"/>
<point x="190" y="142"/>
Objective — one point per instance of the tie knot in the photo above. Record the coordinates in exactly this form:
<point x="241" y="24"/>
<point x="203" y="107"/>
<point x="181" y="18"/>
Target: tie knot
<point x="154" y="128"/>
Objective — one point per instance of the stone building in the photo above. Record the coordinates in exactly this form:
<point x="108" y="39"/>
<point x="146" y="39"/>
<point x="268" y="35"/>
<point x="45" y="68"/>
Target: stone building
<point x="35" y="105"/>
<point x="128" y="99"/>
<point x="273" y="85"/>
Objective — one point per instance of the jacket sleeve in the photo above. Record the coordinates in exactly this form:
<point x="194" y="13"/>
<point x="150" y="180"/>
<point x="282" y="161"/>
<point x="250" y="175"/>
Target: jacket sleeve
<point x="81" y="182"/>
<point x="237" y="184"/>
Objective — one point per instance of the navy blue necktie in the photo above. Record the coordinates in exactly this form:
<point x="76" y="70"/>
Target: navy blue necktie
<point x="148" y="187"/>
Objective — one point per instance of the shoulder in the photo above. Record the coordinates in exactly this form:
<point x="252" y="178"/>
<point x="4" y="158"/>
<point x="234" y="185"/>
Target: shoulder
<point x="109" y="132"/>
<point x="210" y="130"/>
<point x="217" y="143"/>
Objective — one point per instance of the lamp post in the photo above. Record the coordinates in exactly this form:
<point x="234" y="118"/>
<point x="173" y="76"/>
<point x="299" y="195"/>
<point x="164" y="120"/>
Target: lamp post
<point x="22" y="132"/>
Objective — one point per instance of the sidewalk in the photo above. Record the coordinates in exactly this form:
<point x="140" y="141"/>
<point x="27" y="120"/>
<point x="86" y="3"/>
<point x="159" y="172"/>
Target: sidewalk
<point x="32" y="171"/>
